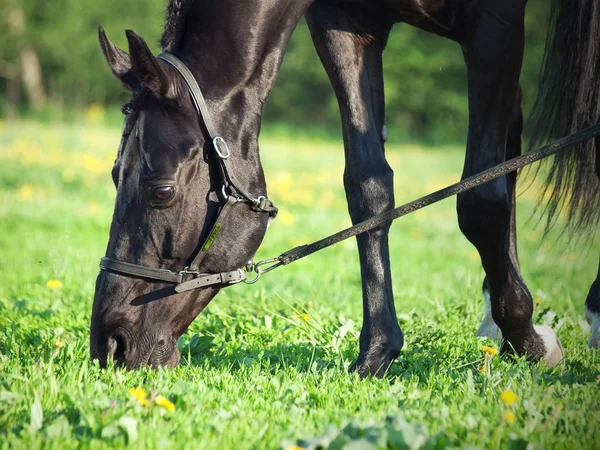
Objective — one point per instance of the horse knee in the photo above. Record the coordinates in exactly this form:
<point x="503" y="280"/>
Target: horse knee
<point x="369" y="189"/>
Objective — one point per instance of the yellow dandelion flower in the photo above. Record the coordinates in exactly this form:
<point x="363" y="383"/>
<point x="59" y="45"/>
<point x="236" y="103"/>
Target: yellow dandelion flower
<point x="473" y="255"/>
<point x="54" y="284"/>
<point x="304" y="316"/>
<point x="93" y="207"/>
<point x="508" y="397"/>
<point x="165" y="403"/>
<point x="294" y="447"/>
<point x="509" y="416"/>
<point x="95" y="113"/>
<point x="25" y="192"/>
<point x="489" y="350"/>
<point x="538" y="301"/>
<point x="286" y="217"/>
<point x="59" y="344"/>
<point x="140" y="395"/>
<point x="93" y="164"/>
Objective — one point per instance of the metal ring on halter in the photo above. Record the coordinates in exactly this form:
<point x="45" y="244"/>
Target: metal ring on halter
<point x="255" y="279"/>
<point x="223" y="193"/>
<point x="217" y="142"/>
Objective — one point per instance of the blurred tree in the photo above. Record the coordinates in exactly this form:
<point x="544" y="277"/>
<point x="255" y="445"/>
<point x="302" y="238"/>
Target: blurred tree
<point x="425" y="74"/>
<point x="30" y="71"/>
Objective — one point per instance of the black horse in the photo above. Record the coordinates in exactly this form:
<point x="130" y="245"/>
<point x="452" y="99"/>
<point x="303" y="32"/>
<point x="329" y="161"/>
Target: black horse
<point x="170" y="180"/>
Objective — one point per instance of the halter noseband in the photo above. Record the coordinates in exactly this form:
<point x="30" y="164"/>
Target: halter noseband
<point x="190" y="277"/>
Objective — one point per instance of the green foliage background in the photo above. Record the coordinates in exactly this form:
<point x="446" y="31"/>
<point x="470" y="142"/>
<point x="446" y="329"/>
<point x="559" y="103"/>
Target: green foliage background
<point x="425" y="74"/>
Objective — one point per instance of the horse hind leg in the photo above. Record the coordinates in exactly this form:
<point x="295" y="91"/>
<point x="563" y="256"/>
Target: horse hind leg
<point x="494" y="52"/>
<point x="592" y="312"/>
<point x="488" y="327"/>
<point x="592" y="302"/>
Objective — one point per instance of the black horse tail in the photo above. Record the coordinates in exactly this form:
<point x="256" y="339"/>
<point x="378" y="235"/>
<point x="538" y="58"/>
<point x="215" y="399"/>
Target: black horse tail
<point x="569" y="100"/>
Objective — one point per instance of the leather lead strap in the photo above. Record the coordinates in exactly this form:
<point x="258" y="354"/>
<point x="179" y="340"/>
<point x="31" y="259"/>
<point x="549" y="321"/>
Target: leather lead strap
<point x="499" y="170"/>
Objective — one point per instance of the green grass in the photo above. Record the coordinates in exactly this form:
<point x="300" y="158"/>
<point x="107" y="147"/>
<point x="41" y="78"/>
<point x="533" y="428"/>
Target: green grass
<point x="266" y="364"/>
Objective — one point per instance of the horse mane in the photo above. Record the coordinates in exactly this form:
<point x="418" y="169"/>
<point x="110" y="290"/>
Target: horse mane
<point x="174" y="24"/>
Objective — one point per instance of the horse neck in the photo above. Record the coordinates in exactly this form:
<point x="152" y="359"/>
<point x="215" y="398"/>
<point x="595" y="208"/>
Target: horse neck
<point x="235" y="50"/>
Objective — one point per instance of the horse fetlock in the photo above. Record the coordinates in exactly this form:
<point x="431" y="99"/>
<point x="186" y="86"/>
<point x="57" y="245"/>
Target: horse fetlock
<point x="593" y="319"/>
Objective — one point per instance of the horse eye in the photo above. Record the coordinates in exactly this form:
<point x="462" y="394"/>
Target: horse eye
<point x="163" y="193"/>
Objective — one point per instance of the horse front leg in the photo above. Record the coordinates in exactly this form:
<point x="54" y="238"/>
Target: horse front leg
<point x="494" y="53"/>
<point x="350" y="44"/>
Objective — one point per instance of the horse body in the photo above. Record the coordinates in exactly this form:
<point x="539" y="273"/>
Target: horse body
<point x="234" y="49"/>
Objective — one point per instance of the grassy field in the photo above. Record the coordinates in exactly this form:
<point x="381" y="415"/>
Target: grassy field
<point x="265" y="365"/>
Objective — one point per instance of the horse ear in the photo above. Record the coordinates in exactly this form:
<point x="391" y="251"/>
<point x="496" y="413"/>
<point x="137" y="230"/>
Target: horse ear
<point x="147" y="67"/>
<point x="118" y="60"/>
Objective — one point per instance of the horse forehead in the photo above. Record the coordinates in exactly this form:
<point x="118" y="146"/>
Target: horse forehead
<point x="164" y="143"/>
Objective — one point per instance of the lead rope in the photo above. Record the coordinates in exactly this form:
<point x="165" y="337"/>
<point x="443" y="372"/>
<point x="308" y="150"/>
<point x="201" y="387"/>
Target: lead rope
<point x="471" y="182"/>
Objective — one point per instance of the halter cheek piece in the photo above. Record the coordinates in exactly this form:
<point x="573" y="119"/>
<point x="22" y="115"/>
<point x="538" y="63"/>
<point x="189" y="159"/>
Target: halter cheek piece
<point x="231" y="191"/>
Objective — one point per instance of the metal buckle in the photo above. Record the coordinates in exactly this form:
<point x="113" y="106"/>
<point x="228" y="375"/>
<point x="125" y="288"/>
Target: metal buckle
<point x="242" y="278"/>
<point x="256" y="202"/>
<point x="217" y="142"/>
<point x="186" y="271"/>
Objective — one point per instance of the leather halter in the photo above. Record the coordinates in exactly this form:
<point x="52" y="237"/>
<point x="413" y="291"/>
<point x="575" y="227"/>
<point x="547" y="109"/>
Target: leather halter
<point x="190" y="277"/>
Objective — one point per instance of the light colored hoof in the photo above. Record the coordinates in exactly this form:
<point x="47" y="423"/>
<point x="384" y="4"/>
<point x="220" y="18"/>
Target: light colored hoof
<point x="594" y="321"/>
<point x="488" y="327"/>
<point x="554" y="350"/>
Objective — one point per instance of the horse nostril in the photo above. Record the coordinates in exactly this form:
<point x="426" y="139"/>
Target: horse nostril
<point x="116" y="348"/>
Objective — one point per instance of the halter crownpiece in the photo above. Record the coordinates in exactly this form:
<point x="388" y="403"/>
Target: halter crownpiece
<point x="190" y="277"/>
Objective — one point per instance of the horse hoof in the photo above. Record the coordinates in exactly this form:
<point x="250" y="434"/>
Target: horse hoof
<point x="376" y="361"/>
<point x="489" y="329"/>
<point x="594" y="321"/>
<point x="554" y="351"/>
